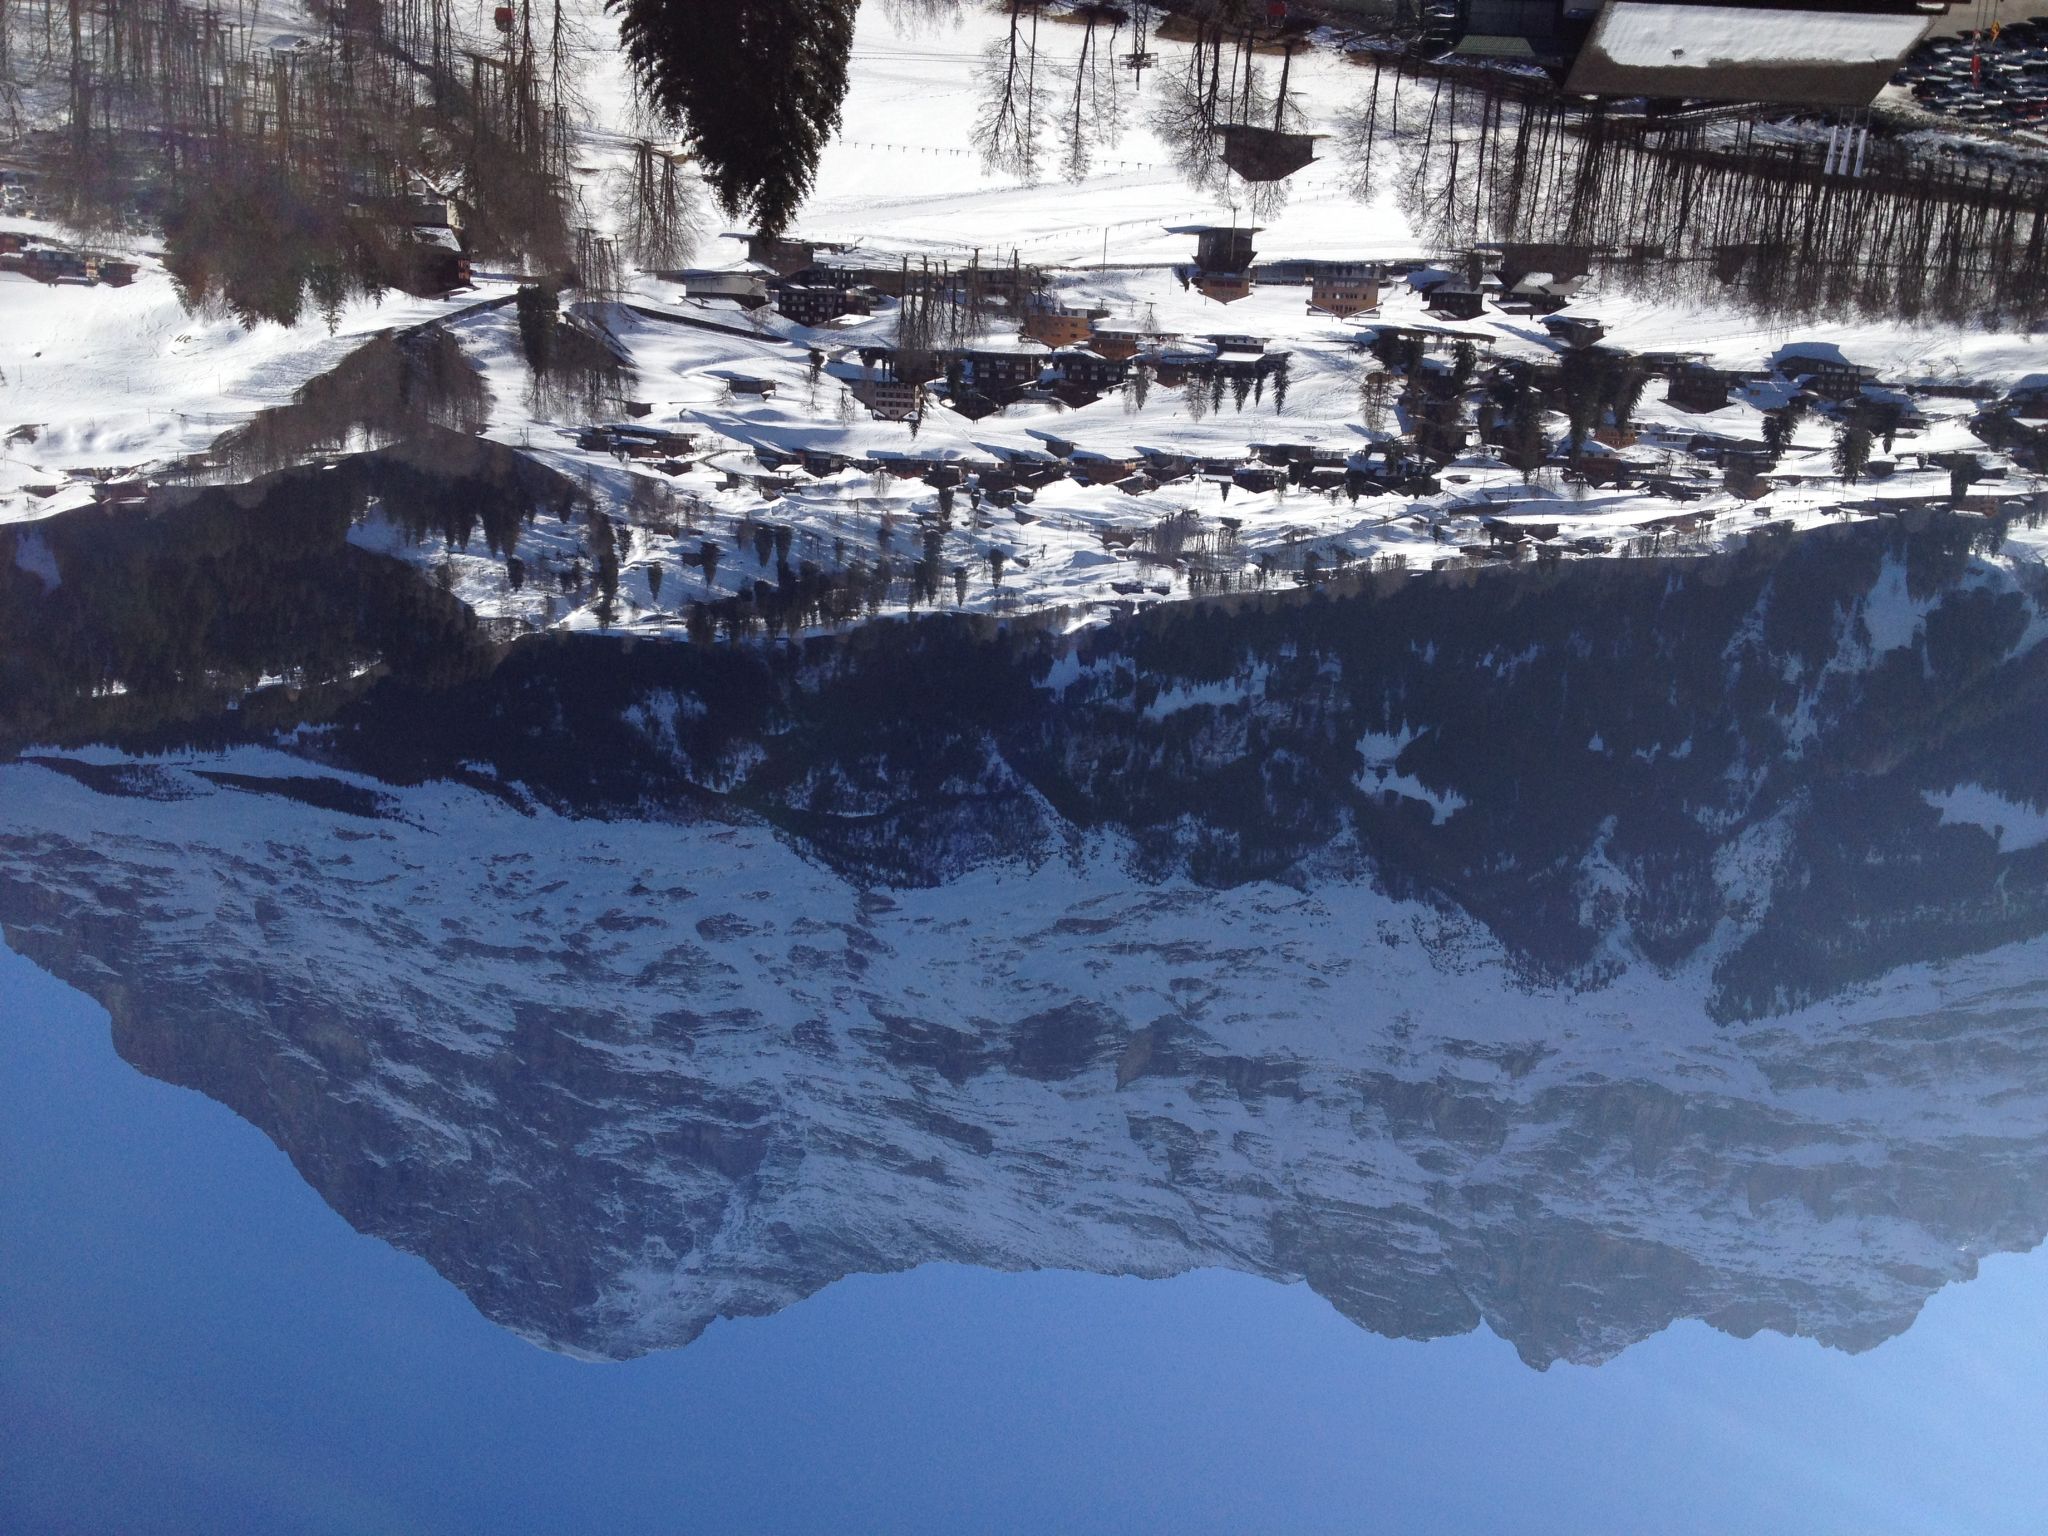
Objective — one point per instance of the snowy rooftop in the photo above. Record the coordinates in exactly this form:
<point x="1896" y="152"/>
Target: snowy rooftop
<point x="1738" y="53"/>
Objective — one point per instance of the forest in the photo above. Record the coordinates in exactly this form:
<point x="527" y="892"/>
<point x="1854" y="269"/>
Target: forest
<point x="288" y="179"/>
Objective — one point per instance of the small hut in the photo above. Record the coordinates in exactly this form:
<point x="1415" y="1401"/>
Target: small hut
<point x="1265" y="154"/>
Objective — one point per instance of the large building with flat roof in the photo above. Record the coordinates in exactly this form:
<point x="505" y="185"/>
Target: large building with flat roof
<point x="1807" y="56"/>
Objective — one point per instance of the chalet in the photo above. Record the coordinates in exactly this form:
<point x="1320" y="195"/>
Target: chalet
<point x="781" y="254"/>
<point x="1299" y="455"/>
<point x="1015" y="284"/>
<point x="1223" y="287"/>
<point x="1541" y="278"/>
<point x="1668" y="364"/>
<point x="1122" y="343"/>
<point x="1078" y="370"/>
<point x="1258" y="477"/>
<point x="887" y="399"/>
<point x="1176" y="361"/>
<point x="434" y="262"/>
<point x="1223" y="260"/>
<point x="1678" y="522"/>
<point x="748" y="289"/>
<point x="998" y="372"/>
<point x="46" y="264"/>
<point x="931" y="468"/>
<point x="1058" y="325"/>
<point x="1103" y="468"/>
<point x="1117" y="344"/>
<point x="1166" y="466"/>
<point x="1386" y="465"/>
<point x="1265" y="154"/>
<point x="819" y="303"/>
<point x="430" y="210"/>
<point x="2028" y="402"/>
<point x="629" y="440"/>
<point x="1243" y="363"/>
<point x="745" y="384"/>
<point x="822" y="462"/>
<point x="1577" y="332"/>
<point x="1826" y="373"/>
<point x="1220" y="248"/>
<point x="1431" y="338"/>
<point x="863" y="270"/>
<point x="912" y="367"/>
<point x="11" y="242"/>
<point x="1697" y="388"/>
<point x="1344" y="288"/>
<point x="1457" y="301"/>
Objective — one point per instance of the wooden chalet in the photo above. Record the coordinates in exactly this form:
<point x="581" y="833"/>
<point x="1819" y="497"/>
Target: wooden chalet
<point x="748" y="385"/>
<point x="782" y="254"/>
<point x="1697" y="388"/>
<point x="821" y="303"/>
<point x="996" y="372"/>
<point x="1828" y="374"/>
<point x="887" y="398"/>
<point x="1265" y="154"/>
<point x="748" y="289"/>
<point x="1058" y="325"/>
<point x="1456" y="301"/>
<point x="1221" y="248"/>
<point x="1344" y="288"/>
<point x="1079" y="372"/>
<point x="1577" y="332"/>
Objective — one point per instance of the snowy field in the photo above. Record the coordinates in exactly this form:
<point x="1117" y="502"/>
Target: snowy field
<point x="115" y="384"/>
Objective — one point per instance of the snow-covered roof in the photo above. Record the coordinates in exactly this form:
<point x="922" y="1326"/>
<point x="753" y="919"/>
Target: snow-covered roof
<point x="1741" y="53"/>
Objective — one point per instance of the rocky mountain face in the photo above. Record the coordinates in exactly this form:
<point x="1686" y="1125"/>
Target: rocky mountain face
<point x="1572" y="951"/>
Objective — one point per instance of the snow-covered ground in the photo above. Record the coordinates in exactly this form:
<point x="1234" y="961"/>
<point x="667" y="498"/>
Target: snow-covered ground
<point x="105" y="383"/>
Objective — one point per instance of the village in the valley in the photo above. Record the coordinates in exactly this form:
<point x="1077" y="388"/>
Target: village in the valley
<point x="907" y="404"/>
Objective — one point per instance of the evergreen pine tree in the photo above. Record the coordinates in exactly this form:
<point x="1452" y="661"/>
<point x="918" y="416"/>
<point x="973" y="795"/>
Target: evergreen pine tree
<point x="755" y="87"/>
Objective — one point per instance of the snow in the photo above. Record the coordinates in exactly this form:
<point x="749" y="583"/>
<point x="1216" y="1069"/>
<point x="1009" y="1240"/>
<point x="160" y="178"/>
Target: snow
<point x="1890" y="614"/>
<point x="1647" y="36"/>
<point x="1381" y="751"/>
<point x="123" y="382"/>
<point x="2014" y="825"/>
<point x="119" y="381"/>
<point x="431" y="925"/>
<point x="34" y="555"/>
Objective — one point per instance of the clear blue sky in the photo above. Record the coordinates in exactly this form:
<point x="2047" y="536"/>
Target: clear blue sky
<point x="191" y="1341"/>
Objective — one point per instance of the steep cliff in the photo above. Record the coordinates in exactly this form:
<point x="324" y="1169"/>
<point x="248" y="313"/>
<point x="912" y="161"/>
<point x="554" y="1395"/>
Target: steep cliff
<point x="1570" y="952"/>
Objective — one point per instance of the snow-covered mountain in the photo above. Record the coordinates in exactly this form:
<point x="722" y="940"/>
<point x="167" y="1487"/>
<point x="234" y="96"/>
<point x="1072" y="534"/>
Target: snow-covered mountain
<point x="1573" y="951"/>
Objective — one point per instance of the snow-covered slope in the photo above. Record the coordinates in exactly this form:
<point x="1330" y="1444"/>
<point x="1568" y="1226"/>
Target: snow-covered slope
<point x="616" y="1080"/>
<point x="121" y="382"/>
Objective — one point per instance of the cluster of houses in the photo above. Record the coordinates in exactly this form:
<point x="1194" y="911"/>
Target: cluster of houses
<point x="1449" y="387"/>
<point x="1226" y="269"/>
<point x="814" y="282"/>
<point x="432" y="256"/>
<point x="895" y="383"/>
<point x="1006" y="475"/>
<point x="50" y="263"/>
<point x="665" y="447"/>
<point x="1520" y="279"/>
